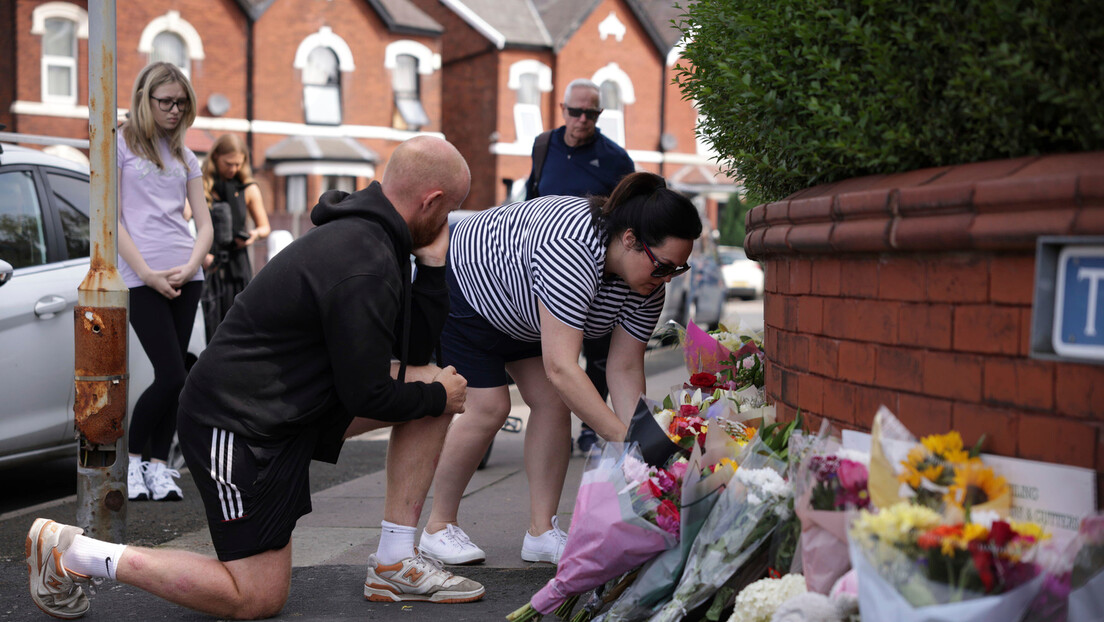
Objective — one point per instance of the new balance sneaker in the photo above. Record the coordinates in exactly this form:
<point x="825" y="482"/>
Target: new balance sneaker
<point x="451" y="546"/>
<point x="136" y="481"/>
<point x="546" y="547"/>
<point x="417" y="578"/>
<point x="159" y="481"/>
<point x="54" y="589"/>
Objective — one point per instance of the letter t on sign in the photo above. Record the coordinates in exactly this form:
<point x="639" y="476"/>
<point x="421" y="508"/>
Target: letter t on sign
<point x="1094" y="275"/>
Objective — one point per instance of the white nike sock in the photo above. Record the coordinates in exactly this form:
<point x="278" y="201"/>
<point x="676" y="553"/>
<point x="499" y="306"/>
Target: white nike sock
<point x="396" y="542"/>
<point x="91" y="557"/>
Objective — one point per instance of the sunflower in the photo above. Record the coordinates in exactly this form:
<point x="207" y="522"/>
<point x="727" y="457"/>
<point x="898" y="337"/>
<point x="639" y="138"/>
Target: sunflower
<point x="975" y="484"/>
<point x="947" y="446"/>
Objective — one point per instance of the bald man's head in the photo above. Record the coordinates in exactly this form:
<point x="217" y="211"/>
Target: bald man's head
<point x="423" y="164"/>
<point x="425" y="179"/>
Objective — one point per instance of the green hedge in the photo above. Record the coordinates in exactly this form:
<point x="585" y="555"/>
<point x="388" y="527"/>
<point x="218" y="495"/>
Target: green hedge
<point x="801" y="92"/>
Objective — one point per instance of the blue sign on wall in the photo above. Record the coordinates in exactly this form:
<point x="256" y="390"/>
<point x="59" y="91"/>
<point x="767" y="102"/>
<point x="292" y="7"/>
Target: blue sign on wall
<point x="1079" y="302"/>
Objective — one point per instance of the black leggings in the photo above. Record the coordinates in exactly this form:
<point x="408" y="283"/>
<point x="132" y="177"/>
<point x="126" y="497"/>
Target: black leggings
<point x="164" y="328"/>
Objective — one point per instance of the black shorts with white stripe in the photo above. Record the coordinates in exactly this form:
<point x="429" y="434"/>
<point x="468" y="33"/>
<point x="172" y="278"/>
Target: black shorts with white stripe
<point x="253" y="492"/>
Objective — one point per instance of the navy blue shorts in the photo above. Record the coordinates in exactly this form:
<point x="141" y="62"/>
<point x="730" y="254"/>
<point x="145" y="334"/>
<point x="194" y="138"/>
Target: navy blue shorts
<point x="478" y="350"/>
<point x="253" y="493"/>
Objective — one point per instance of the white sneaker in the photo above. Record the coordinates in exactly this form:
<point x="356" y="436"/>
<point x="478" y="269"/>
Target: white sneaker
<point x="159" y="481"/>
<point x="417" y="578"/>
<point x="546" y="547"/>
<point x="136" y="481"/>
<point x="451" y="546"/>
<point x="54" y="589"/>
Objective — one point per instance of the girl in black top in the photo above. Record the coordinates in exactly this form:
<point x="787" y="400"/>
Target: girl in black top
<point x="228" y="183"/>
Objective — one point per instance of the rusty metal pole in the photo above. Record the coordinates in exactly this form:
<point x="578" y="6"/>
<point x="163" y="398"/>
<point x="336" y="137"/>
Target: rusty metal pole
<point x="100" y="317"/>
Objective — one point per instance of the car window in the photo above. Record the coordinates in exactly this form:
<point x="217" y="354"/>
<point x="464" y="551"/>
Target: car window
<point x="22" y="240"/>
<point x="70" y="195"/>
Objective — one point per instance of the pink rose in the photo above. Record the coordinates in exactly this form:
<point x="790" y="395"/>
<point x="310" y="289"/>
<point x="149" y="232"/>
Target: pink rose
<point x="852" y="475"/>
<point x="667" y="517"/>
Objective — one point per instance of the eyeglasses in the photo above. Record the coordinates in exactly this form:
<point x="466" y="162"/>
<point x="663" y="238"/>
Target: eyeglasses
<point x="167" y="103"/>
<point x="663" y="269"/>
<point x="590" y="113"/>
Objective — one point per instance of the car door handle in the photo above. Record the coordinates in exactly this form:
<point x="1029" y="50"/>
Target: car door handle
<point x="48" y="306"/>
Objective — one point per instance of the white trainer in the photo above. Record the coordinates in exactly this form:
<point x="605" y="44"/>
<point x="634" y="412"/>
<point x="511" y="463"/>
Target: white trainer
<point x="54" y="589"/>
<point x="546" y="547"/>
<point x="451" y="546"/>
<point x="136" y="481"/>
<point x="159" y="481"/>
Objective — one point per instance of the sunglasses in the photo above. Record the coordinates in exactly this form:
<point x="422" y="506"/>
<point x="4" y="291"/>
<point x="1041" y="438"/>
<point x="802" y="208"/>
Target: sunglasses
<point x="663" y="269"/>
<point x="166" y="104"/>
<point x="578" y="112"/>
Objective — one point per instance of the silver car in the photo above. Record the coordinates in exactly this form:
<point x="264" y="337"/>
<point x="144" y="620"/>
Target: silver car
<point x="44" y="242"/>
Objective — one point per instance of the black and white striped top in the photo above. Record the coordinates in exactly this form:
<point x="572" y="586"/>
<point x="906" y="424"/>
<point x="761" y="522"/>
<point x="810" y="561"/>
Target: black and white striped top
<point x="507" y="258"/>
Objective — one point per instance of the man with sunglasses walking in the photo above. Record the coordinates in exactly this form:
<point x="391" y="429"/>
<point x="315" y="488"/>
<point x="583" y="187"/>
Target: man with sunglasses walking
<point x="576" y="159"/>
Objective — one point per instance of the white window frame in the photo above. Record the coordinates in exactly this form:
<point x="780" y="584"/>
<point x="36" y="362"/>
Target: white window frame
<point x="528" y="115"/>
<point x="325" y="38"/>
<point x="427" y="63"/>
<point x="75" y="14"/>
<point x="174" y="23"/>
<point x="612" y="122"/>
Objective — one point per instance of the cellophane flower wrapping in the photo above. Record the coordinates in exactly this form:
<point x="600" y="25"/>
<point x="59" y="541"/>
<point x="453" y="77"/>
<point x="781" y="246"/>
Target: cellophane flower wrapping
<point x="657" y="578"/>
<point x="738" y="527"/>
<point x="613" y="528"/>
<point x="913" y="567"/>
<point x="1086" y="598"/>
<point x="828" y="481"/>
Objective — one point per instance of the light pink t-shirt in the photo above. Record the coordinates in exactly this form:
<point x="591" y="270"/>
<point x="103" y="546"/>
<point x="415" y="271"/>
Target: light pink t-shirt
<point x="151" y="201"/>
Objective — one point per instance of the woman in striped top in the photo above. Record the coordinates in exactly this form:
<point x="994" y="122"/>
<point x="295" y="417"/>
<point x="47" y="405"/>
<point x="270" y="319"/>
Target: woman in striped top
<point x="528" y="281"/>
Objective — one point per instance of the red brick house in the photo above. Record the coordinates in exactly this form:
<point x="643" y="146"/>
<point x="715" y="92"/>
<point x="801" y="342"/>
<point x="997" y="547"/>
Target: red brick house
<point x="322" y="91"/>
<point x="506" y="64"/>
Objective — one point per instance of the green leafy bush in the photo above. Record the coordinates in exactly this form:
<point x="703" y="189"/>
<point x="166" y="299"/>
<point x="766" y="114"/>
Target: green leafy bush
<point x="800" y="92"/>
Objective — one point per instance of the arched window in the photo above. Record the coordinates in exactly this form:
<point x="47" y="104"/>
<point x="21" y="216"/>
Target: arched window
<point x="409" y="112"/>
<point x="321" y="58"/>
<point x="529" y="78"/>
<point x="170" y="38"/>
<point x="59" y="61"/>
<point x="408" y="61"/>
<point x="322" y="87"/>
<point x="612" y="121"/>
<point x="169" y="47"/>
<point x="60" y="24"/>
<point x="617" y="93"/>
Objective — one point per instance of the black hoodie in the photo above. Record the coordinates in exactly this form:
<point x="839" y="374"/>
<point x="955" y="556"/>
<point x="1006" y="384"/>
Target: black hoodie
<point x="309" y="343"/>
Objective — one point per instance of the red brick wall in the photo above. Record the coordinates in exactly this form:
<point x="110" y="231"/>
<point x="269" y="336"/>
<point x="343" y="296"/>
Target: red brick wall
<point x="915" y="291"/>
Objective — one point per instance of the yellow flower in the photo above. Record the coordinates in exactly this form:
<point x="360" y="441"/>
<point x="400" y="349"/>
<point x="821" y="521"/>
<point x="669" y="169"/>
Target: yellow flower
<point x="897" y="524"/>
<point x="974" y="531"/>
<point x="975" y="484"/>
<point x="947" y="446"/>
<point x="1033" y="530"/>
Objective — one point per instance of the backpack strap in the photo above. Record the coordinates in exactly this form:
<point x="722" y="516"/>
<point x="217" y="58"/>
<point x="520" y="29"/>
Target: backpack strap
<point x="540" y="152"/>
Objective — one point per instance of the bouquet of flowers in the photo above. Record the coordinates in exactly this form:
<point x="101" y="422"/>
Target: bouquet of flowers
<point x="657" y="578"/>
<point x="737" y="529"/>
<point x="937" y="472"/>
<point x="620" y="521"/>
<point x="828" y="481"/>
<point x="913" y="566"/>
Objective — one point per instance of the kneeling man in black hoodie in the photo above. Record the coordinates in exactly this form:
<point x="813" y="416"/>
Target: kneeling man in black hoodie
<point x="331" y="338"/>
